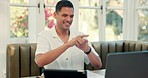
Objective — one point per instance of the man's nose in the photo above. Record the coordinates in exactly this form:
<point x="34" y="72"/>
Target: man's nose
<point x="69" y="18"/>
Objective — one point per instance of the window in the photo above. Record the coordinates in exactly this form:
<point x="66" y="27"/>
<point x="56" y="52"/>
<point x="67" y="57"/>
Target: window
<point x="23" y="20"/>
<point x="18" y="19"/>
<point x="49" y="9"/>
<point x="114" y="19"/>
<point x="101" y="19"/>
<point x="26" y="19"/>
<point x="142" y="11"/>
<point x="89" y="11"/>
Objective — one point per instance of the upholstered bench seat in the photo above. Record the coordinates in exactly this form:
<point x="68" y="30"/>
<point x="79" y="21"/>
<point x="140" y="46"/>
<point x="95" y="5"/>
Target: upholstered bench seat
<point x="20" y="57"/>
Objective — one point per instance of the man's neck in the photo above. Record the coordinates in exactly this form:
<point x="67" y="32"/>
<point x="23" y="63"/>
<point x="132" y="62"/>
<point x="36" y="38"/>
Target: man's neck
<point x="62" y="32"/>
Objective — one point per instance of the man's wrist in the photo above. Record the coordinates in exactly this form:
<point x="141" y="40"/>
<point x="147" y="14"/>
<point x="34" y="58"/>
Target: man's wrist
<point x="88" y="51"/>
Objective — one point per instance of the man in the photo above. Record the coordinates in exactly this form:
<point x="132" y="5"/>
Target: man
<point x="62" y="48"/>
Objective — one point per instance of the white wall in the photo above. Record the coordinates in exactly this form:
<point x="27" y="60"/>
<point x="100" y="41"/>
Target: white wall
<point x="3" y="37"/>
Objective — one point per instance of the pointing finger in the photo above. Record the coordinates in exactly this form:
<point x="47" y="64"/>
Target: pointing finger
<point x="82" y="36"/>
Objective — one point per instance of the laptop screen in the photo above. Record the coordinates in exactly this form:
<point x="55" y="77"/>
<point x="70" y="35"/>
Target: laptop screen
<point x="127" y="65"/>
<point x="55" y="73"/>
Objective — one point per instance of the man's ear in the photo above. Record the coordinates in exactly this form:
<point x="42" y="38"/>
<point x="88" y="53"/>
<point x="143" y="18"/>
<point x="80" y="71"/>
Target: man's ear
<point x="55" y="15"/>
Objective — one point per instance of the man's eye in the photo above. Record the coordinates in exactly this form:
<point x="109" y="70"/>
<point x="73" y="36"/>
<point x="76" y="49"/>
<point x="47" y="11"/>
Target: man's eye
<point x="71" y="16"/>
<point x="65" y="15"/>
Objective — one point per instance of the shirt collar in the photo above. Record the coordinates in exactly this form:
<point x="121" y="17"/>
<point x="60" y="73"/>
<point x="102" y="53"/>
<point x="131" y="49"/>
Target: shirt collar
<point x="54" y="33"/>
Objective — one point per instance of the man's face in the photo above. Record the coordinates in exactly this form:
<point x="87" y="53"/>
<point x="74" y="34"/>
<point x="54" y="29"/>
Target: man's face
<point x="64" y="17"/>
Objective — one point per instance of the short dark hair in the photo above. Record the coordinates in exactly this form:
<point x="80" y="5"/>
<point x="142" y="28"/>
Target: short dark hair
<point x="63" y="3"/>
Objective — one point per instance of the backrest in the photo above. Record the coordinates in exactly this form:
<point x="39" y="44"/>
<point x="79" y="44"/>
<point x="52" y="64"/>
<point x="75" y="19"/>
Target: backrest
<point x="20" y="57"/>
<point x="105" y="47"/>
<point x="135" y="46"/>
<point x="20" y="60"/>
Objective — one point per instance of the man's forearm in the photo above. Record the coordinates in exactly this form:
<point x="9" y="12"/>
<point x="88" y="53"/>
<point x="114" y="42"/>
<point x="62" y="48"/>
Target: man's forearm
<point x="50" y="56"/>
<point x="95" y="60"/>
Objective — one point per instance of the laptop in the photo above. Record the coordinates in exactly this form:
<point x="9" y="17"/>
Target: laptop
<point x="127" y="65"/>
<point x="55" y="73"/>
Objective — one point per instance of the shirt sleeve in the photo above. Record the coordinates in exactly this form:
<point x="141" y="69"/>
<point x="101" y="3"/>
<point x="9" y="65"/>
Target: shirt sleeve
<point x="43" y="44"/>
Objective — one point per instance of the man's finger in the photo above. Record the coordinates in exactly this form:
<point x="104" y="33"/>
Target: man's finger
<point x="82" y="36"/>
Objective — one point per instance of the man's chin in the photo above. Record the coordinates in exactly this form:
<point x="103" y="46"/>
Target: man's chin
<point x="67" y="26"/>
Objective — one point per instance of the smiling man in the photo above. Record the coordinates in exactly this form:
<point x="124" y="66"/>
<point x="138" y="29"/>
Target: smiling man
<point x="62" y="48"/>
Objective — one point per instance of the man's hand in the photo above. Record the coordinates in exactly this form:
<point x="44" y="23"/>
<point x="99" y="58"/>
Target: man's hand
<point x="81" y="42"/>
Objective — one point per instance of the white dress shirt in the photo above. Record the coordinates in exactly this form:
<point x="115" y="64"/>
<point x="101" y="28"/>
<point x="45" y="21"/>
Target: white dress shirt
<point x="72" y="58"/>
